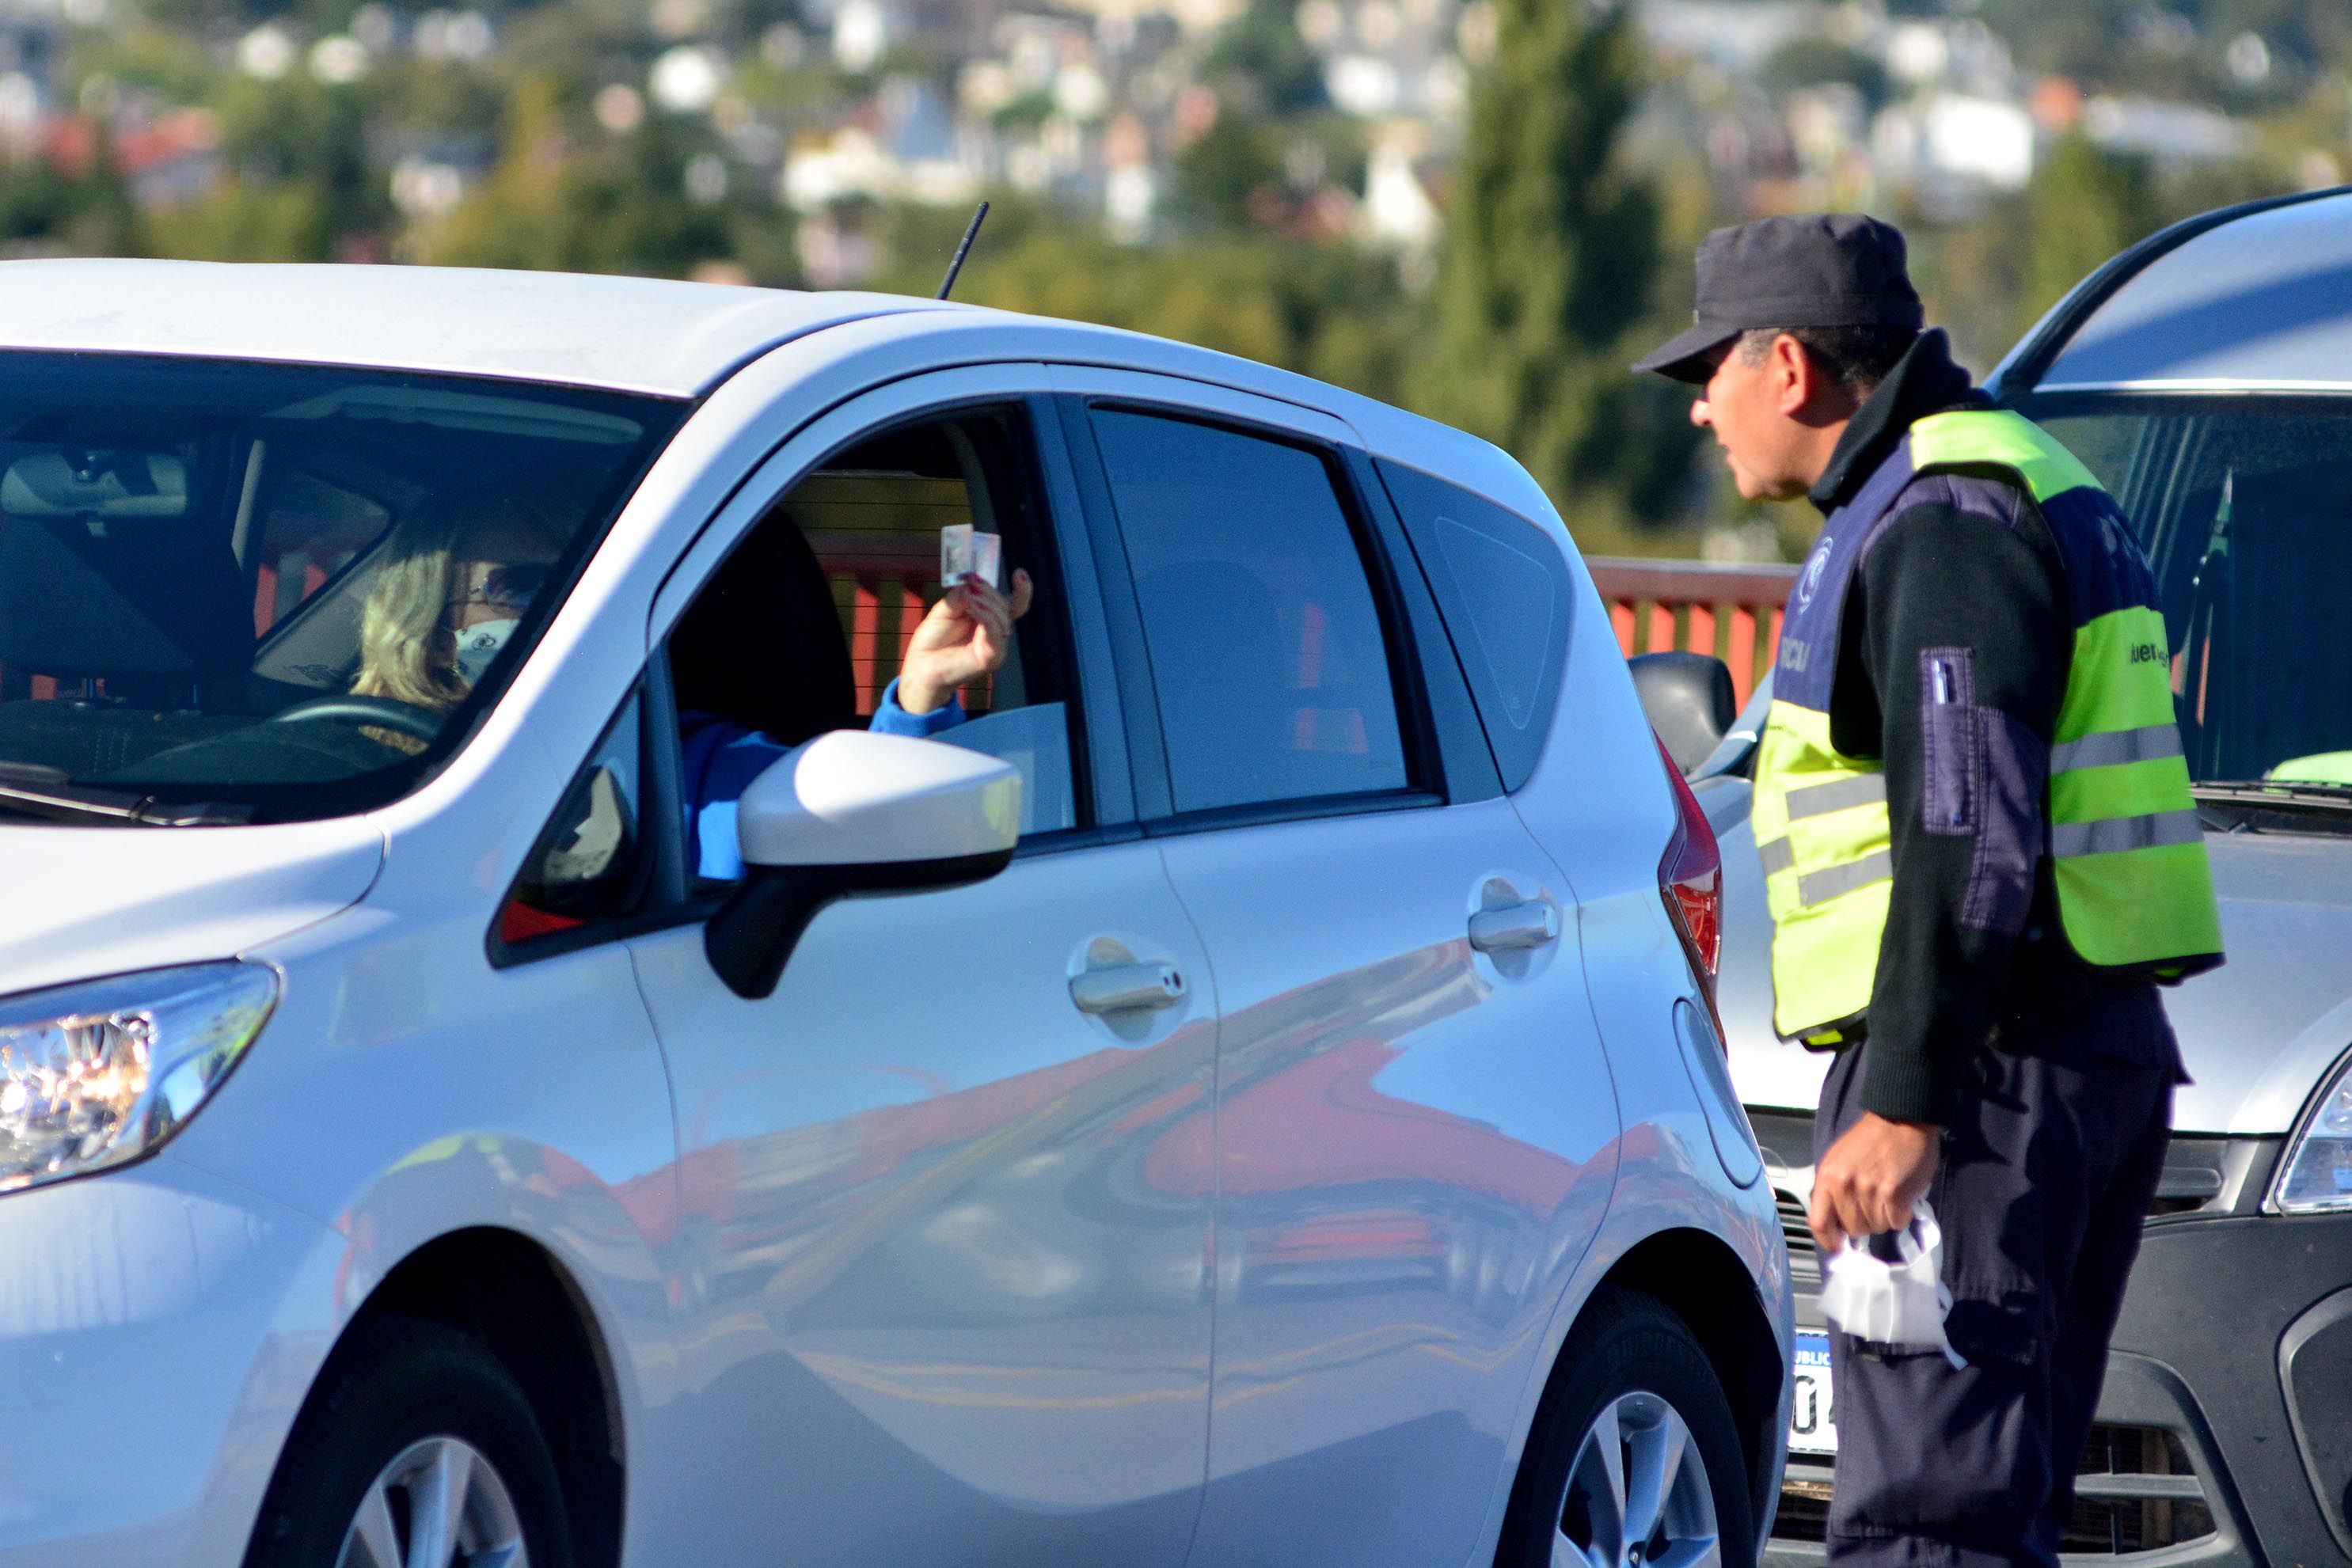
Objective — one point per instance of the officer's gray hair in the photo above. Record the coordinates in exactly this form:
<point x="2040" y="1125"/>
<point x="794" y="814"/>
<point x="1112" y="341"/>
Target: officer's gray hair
<point x="1856" y="358"/>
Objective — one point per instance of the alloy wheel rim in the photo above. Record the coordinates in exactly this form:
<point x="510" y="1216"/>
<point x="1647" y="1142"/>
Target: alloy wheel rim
<point x="438" y="1504"/>
<point x="1638" y="1494"/>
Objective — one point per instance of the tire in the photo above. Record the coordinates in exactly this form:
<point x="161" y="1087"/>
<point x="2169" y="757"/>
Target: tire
<point x="405" y="1413"/>
<point x="1631" y="1378"/>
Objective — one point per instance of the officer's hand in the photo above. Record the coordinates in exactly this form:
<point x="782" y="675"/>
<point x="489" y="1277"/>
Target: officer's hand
<point x="1870" y="1179"/>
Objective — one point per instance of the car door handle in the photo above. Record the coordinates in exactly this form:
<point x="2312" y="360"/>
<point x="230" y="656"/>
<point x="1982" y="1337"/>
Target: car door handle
<point x="1127" y="987"/>
<point x="1515" y="927"/>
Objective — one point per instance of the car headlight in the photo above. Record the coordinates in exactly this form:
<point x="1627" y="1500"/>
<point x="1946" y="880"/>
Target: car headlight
<point x="98" y="1073"/>
<point x="2315" y="1176"/>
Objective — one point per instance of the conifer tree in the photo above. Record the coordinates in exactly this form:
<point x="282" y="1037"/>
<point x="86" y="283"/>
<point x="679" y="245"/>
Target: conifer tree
<point x="1543" y="287"/>
<point x="2084" y="204"/>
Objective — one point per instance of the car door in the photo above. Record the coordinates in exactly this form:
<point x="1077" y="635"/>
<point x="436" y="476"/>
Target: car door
<point x="945" y="1211"/>
<point x="1415" y="1123"/>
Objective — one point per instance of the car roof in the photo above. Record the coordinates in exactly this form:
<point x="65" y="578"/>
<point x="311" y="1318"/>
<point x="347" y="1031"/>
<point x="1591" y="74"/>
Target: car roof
<point x="2257" y="302"/>
<point x="632" y="334"/>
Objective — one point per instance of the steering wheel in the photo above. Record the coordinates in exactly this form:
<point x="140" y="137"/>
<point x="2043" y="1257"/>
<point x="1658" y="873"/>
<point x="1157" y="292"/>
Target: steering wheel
<point x="383" y="713"/>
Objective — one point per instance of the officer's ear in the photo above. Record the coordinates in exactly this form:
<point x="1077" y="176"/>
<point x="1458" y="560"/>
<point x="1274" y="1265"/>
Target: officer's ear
<point x="1806" y="388"/>
<point x="1792" y="375"/>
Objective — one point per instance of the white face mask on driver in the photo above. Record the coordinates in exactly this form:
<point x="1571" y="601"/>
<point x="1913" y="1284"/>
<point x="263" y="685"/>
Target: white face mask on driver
<point x="478" y="644"/>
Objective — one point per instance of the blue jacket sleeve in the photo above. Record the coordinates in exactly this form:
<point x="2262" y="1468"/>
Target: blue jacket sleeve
<point x="889" y="719"/>
<point x="721" y="759"/>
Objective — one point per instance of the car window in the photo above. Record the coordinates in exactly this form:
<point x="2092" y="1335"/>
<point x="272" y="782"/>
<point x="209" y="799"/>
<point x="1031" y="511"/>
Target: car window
<point x="232" y="590"/>
<point x="587" y="867"/>
<point x="1268" y="660"/>
<point x="808" y="625"/>
<point x="1503" y="587"/>
<point x="2240" y="503"/>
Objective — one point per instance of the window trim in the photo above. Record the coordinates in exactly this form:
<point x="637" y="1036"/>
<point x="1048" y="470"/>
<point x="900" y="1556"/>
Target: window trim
<point x="1564" y="631"/>
<point x="654" y="857"/>
<point x="1418" y="734"/>
<point x="1458" y="730"/>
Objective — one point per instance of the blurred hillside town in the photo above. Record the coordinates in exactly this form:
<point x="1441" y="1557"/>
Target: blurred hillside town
<point x="1471" y="207"/>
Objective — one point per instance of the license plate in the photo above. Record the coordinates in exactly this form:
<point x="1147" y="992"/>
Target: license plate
<point x="1812" y="1424"/>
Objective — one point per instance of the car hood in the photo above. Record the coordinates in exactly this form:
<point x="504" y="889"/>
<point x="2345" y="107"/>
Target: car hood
<point x="2257" y="1034"/>
<point x="89" y="900"/>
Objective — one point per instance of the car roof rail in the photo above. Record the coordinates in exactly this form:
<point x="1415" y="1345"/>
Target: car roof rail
<point x="2016" y="374"/>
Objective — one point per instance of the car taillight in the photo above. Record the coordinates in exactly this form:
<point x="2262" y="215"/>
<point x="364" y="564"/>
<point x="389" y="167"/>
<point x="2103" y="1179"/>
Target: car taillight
<point x="1690" y="879"/>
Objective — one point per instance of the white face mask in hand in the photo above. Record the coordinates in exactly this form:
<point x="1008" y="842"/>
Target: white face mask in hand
<point x="1902" y="1304"/>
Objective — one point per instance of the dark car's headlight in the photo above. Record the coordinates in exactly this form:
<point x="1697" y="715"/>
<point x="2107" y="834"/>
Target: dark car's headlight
<point x="2315" y="1176"/>
<point x="97" y="1073"/>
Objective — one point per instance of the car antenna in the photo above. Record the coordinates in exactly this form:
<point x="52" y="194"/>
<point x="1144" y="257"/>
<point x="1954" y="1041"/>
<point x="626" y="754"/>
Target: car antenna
<point x="962" y="250"/>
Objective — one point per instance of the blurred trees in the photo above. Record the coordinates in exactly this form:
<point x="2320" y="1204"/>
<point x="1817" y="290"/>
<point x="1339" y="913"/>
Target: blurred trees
<point x="1327" y="309"/>
<point x="1261" y="57"/>
<point x="1571" y="190"/>
<point x="571" y="198"/>
<point x="2083" y="206"/>
<point x="1990" y="279"/>
<point x="251" y="221"/>
<point x="1543" y="292"/>
<point x="1814" y="62"/>
<point x="1233" y="171"/>
<point x="44" y="208"/>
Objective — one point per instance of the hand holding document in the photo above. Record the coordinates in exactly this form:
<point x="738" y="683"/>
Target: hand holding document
<point x="964" y="551"/>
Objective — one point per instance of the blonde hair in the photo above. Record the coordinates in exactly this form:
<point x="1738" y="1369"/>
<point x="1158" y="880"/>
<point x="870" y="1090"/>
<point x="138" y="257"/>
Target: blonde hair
<point x="406" y="651"/>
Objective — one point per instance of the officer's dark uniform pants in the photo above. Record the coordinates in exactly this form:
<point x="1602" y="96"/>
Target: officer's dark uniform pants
<point x="2042" y="1187"/>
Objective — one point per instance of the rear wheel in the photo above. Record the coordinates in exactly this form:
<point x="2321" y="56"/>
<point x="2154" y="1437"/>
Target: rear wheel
<point x="418" y="1449"/>
<point x="1635" y="1461"/>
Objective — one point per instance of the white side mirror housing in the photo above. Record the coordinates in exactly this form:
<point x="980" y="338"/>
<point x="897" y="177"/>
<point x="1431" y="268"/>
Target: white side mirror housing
<point x="853" y="798"/>
<point x="848" y="813"/>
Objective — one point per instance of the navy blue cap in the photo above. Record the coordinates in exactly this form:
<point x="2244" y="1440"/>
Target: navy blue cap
<point x="1814" y="269"/>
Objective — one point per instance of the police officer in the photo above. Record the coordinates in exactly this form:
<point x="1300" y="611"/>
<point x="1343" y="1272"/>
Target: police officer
<point x="1981" y="860"/>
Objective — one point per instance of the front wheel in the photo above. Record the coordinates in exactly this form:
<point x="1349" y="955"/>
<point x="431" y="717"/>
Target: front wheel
<point x="418" y="1449"/>
<point x="1635" y="1461"/>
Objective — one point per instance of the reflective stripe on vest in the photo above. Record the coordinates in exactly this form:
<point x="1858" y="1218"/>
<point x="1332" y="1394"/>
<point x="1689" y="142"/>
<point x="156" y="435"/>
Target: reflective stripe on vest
<point x="1823" y="837"/>
<point x="1837" y="795"/>
<point x="2128" y="851"/>
<point x="2149" y="743"/>
<point x="2114" y="836"/>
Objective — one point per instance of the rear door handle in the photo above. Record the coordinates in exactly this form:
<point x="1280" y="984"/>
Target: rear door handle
<point x="1516" y="928"/>
<point x="1127" y="987"/>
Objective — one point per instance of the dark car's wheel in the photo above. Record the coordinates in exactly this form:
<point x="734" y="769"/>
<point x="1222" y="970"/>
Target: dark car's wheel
<point x="1635" y="1461"/>
<point x="417" y="1450"/>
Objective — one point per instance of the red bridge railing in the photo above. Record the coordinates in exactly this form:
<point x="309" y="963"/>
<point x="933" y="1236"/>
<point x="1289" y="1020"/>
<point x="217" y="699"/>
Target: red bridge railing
<point x="882" y="586"/>
<point x="1730" y="612"/>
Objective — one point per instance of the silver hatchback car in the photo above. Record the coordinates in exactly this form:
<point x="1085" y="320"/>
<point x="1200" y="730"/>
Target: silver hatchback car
<point x="2205" y="376"/>
<point x="1247" y="1093"/>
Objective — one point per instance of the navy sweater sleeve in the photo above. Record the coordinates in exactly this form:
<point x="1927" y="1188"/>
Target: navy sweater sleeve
<point x="1962" y="647"/>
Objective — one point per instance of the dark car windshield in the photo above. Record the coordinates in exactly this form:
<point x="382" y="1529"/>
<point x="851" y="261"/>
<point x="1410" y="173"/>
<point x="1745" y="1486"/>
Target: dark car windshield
<point x="2244" y="504"/>
<point x="234" y="591"/>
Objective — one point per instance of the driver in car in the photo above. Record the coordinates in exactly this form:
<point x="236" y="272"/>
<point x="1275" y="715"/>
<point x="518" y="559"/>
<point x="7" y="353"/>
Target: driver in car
<point x="965" y="636"/>
<point x="455" y="581"/>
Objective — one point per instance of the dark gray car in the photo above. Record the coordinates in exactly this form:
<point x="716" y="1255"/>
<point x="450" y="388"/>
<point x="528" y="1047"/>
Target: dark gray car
<point x="2206" y="378"/>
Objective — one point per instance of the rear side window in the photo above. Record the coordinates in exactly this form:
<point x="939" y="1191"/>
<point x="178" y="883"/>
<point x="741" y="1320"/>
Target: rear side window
<point x="1267" y="655"/>
<point x="1503" y="587"/>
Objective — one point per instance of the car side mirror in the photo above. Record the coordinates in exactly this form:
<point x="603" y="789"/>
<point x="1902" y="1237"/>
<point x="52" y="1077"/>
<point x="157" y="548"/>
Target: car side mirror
<point x="853" y="814"/>
<point x="1689" y="700"/>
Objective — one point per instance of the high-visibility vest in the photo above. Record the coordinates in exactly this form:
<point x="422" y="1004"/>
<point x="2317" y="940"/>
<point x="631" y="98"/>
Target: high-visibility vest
<point x="2127" y="856"/>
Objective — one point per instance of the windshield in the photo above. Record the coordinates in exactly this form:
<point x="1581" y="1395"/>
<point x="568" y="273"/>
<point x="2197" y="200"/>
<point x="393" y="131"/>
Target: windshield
<point x="241" y="591"/>
<point x="2244" y="504"/>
